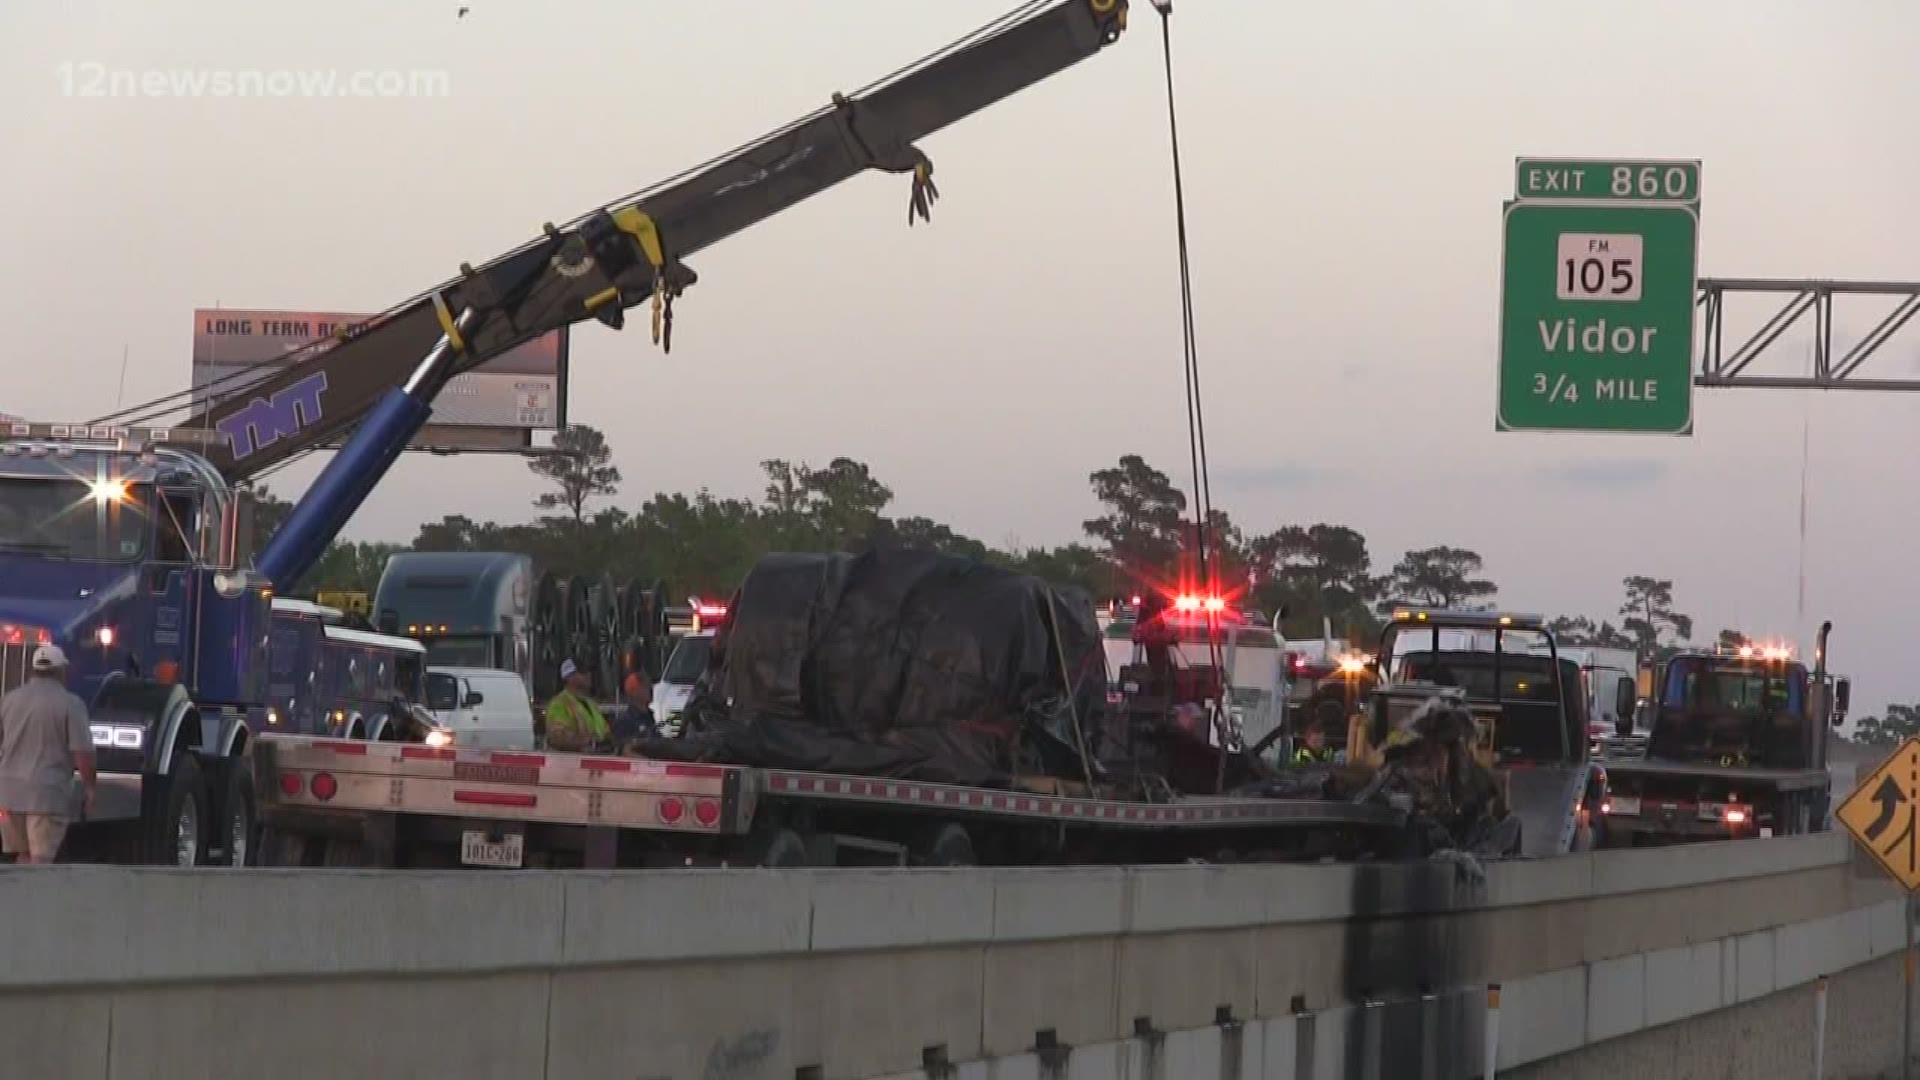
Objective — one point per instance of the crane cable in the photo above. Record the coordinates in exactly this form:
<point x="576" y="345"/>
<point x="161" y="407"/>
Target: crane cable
<point x="1206" y="564"/>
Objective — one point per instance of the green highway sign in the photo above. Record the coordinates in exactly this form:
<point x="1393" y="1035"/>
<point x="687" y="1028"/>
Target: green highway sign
<point x="1597" y="279"/>
<point x="1605" y="180"/>
<point x="1596" y="317"/>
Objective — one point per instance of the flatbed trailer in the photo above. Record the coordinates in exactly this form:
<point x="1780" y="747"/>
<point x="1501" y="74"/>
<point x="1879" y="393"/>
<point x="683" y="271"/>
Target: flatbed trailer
<point x="341" y="802"/>
<point x="1681" y="800"/>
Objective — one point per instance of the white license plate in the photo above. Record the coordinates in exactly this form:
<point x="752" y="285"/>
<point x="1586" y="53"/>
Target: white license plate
<point x="476" y="850"/>
<point x="1629" y="805"/>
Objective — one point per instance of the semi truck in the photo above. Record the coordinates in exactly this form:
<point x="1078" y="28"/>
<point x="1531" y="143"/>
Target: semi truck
<point x="1737" y="747"/>
<point x="126" y="539"/>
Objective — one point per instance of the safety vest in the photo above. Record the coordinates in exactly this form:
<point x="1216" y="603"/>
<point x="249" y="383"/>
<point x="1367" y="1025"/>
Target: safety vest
<point x="570" y="710"/>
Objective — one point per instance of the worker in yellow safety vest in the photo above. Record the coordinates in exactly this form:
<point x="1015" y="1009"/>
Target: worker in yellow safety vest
<point x="574" y="722"/>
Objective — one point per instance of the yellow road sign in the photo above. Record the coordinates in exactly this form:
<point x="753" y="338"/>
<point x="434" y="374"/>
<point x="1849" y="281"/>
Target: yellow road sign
<point x="1882" y="812"/>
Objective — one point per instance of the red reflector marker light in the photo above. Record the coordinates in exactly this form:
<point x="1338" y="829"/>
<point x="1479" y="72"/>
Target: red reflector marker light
<point x="324" y="786"/>
<point x="672" y="809"/>
<point x="290" y="784"/>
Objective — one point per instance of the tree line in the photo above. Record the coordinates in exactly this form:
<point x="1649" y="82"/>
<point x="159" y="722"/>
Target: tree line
<point x="1141" y="536"/>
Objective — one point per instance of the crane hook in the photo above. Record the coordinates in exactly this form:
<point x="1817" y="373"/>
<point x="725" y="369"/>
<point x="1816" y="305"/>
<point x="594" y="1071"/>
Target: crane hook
<point x="925" y="193"/>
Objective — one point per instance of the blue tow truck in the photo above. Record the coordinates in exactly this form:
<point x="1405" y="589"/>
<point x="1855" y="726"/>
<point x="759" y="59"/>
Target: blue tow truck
<point x="124" y="555"/>
<point x="125" y="539"/>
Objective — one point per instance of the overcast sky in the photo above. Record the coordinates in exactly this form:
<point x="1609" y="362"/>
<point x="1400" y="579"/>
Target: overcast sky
<point x="1346" y="165"/>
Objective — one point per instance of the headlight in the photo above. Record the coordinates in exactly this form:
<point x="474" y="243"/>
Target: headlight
<point x="439" y="737"/>
<point x="230" y="585"/>
<point x="119" y="736"/>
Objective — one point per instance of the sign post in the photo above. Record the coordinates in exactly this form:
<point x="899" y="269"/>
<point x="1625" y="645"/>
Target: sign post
<point x="1598" y="269"/>
<point x="1882" y="814"/>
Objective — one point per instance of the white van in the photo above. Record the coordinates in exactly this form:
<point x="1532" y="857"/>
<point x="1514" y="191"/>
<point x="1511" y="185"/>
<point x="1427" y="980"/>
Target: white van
<point x="480" y="708"/>
<point x="684" y="668"/>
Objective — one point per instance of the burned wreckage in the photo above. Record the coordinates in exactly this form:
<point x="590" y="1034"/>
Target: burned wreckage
<point x="924" y="666"/>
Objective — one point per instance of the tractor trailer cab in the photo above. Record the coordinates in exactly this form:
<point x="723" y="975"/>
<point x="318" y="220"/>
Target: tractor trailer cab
<point x="131" y="556"/>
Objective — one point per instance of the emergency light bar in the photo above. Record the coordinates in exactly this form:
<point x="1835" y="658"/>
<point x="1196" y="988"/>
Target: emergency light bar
<point x="1480" y="620"/>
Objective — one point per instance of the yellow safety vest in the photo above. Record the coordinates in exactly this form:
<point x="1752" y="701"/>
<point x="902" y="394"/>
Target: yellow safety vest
<point x="571" y="711"/>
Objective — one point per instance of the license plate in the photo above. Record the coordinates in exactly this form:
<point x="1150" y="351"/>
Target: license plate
<point x="507" y="852"/>
<point x="1628" y="805"/>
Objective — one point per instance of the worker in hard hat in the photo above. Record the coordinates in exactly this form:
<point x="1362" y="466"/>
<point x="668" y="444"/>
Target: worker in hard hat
<point x="574" y="722"/>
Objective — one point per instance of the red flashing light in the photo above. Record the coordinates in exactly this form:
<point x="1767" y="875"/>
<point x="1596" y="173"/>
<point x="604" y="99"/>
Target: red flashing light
<point x="1735" y="815"/>
<point x="1186" y="603"/>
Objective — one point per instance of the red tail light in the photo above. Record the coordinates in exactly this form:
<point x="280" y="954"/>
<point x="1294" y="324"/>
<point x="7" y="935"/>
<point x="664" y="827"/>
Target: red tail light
<point x="290" y="784"/>
<point x="672" y="809"/>
<point x="706" y="811"/>
<point x="324" y="786"/>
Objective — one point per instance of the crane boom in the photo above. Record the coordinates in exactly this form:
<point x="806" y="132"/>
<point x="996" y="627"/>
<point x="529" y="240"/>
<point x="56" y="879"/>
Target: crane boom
<point x="630" y="251"/>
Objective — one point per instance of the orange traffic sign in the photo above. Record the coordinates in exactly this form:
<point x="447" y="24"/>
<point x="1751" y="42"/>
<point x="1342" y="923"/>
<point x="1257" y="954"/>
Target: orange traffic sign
<point x="1882" y="812"/>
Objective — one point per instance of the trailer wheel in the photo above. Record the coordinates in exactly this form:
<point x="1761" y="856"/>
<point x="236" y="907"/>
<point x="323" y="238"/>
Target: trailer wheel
<point x="177" y="835"/>
<point x="239" y="816"/>
<point x="945" y="845"/>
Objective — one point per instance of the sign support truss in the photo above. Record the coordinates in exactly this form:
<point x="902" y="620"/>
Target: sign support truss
<point x="1827" y="368"/>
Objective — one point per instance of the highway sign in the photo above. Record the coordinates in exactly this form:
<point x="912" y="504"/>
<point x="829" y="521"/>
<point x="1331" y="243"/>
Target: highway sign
<point x="1596" y="316"/>
<point x="1883" y="810"/>
<point x="1583" y="179"/>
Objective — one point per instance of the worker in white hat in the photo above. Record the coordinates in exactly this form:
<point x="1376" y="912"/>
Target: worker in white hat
<point x="574" y="722"/>
<point x="44" y="739"/>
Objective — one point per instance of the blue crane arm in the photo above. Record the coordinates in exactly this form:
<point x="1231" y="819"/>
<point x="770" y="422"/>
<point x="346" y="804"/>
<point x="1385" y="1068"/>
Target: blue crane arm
<point x="621" y="254"/>
<point x="616" y="257"/>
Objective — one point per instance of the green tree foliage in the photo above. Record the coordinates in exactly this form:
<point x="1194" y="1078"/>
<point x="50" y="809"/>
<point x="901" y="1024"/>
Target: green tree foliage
<point x="580" y="467"/>
<point x="1900" y="722"/>
<point x="1440" y="577"/>
<point x="703" y="543"/>
<point x="1648" y="617"/>
<point x="1578" y="630"/>
<point x="1316" y="572"/>
<point x="1142" y="528"/>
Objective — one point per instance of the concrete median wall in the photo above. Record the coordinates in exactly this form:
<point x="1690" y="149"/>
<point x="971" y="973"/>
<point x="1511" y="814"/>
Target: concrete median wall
<point x="1291" y="972"/>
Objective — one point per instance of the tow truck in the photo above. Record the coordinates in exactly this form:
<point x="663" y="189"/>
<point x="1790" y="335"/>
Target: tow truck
<point x="1529" y="705"/>
<point x="173" y="653"/>
<point x="1737" y="748"/>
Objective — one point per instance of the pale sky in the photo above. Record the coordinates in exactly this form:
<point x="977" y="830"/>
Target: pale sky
<point x="1346" y="166"/>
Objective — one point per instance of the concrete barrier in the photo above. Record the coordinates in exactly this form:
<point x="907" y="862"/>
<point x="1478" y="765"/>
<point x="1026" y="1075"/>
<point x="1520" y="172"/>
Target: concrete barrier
<point x="1703" y="953"/>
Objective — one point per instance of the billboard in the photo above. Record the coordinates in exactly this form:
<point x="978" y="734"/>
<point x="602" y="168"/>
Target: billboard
<point x="496" y="406"/>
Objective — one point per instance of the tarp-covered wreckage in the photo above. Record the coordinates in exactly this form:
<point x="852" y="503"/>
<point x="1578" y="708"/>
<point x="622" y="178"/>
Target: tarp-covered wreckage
<point x="899" y="663"/>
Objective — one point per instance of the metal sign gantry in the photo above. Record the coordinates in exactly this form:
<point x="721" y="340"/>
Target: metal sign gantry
<point x="1719" y="366"/>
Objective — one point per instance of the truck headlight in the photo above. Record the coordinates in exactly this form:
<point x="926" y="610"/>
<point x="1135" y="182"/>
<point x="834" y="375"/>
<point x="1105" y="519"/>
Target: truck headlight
<point x="119" y="736"/>
<point x="439" y="737"/>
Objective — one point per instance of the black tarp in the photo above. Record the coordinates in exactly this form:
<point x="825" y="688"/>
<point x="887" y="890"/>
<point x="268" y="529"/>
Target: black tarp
<point x="901" y="663"/>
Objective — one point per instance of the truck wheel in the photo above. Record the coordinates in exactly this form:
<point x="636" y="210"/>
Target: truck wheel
<point x="239" y="816"/>
<point x="946" y="845"/>
<point x="177" y="835"/>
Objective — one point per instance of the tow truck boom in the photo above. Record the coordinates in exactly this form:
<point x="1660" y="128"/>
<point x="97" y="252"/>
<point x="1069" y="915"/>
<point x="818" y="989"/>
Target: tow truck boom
<point x="386" y="372"/>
